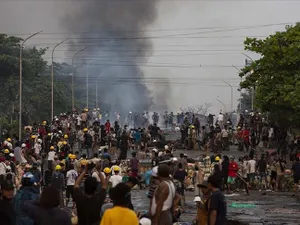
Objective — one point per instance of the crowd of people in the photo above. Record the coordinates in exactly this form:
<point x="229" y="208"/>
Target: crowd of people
<point x="83" y="163"/>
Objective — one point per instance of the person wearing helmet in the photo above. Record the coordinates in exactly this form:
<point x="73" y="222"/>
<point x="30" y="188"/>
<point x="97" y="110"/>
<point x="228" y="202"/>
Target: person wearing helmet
<point x="19" y="153"/>
<point x="87" y="142"/>
<point x="51" y="157"/>
<point x="8" y="143"/>
<point x="202" y="203"/>
<point x="38" y="147"/>
<point x="90" y="199"/>
<point x="116" y="178"/>
<point x="58" y="181"/>
<point x="27" y="192"/>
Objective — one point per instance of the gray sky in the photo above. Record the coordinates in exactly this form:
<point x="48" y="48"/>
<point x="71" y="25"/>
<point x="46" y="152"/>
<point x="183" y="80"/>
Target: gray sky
<point x="186" y="34"/>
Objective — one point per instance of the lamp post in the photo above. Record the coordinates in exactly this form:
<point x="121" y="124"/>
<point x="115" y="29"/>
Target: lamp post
<point x="97" y="90"/>
<point x="20" y="88"/>
<point x="240" y="90"/>
<point x="222" y="104"/>
<point x="52" y="79"/>
<point x="231" y="88"/>
<point x="87" y="83"/>
<point x="73" y="99"/>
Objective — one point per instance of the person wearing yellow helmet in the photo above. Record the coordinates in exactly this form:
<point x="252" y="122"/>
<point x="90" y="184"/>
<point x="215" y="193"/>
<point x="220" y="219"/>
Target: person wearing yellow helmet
<point x="115" y="179"/>
<point x="58" y="181"/>
<point x="85" y="129"/>
<point x="107" y="170"/>
<point x="87" y="194"/>
<point x="6" y="151"/>
<point x="66" y="136"/>
<point x="44" y="122"/>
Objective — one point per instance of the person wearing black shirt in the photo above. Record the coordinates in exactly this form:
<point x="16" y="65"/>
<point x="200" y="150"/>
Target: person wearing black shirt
<point x="217" y="208"/>
<point x="124" y="146"/>
<point x="88" y="142"/>
<point x="262" y="168"/>
<point x="225" y="165"/>
<point x="90" y="200"/>
<point x="7" y="212"/>
<point x="155" y="158"/>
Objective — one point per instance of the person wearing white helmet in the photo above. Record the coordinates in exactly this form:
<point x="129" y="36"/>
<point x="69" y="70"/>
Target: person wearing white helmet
<point x="19" y="153"/>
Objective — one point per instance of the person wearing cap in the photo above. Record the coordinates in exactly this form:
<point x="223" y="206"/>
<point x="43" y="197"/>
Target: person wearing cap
<point x="120" y="214"/>
<point x="115" y="179"/>
<point x="58" y="181"/>
<point x="202" y="203"/>
<point x="25" y="193"/>
<point x="217" y="207"/>
<point x="7" y="212"/>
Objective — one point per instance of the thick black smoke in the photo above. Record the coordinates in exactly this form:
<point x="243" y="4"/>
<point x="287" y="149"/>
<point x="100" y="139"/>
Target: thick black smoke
<point x="114" y="34"/>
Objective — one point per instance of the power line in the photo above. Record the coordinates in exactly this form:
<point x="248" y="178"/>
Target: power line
<point x="213" y="30"/>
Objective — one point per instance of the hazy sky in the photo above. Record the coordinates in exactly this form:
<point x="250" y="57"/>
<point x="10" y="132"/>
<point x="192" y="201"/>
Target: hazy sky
<point x="195" y="43"/>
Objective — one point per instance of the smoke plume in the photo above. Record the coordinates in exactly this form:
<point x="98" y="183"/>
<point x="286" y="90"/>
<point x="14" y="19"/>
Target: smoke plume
<point x="117" y="46"/>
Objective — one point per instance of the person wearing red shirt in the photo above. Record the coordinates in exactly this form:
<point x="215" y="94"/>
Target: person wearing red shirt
<point x="246" y="138"/>
<point x="107" y="126"/>
<point x="232" y="170"/>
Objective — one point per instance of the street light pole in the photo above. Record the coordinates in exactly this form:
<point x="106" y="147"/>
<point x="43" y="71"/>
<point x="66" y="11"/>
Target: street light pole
<point x="231" y="103"/>
<point x="222" y="104"/>
<point x="73" y="99"/>
<point x="52" y="79"/>
<point x="87" y="83"/>
<point x="97" y="90"/>
<point x="21" y="76"/>
<point x="240" y="90"/>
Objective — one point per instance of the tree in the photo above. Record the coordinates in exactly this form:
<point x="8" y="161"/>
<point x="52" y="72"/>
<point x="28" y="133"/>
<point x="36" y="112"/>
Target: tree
<point x="275" y="76"/>
<point x="197" y="109"/>
<point x="245" y="101"/>
<point x="36" y="84"/>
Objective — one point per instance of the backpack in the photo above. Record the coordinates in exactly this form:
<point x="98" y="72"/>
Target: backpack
<point x="57" y="180"/>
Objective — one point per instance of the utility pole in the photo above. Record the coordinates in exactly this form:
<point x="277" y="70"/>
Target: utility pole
<point x="231" y="88"/>
<point x="52" y="79"/>
<point x="73" y="97"/>
<point x="21" y="77"/>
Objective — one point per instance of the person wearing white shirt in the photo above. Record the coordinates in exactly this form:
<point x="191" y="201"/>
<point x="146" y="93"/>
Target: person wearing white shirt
<point x="251" y="170"/>
<point x="97" y="172"/>
<point x="115" y="179"/>
<point x="117" y="169"/>
<point x="71" y="179"/>
<point x="220" y="119"/>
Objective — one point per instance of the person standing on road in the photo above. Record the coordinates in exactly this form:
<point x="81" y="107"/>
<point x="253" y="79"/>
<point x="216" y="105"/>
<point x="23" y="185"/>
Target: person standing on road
<point x="58" y="181"/>
<point x="217" y="208"/>
<point x="164" y="198"/>
<point x="296" y="173"/>
<point x="232" y="170"/>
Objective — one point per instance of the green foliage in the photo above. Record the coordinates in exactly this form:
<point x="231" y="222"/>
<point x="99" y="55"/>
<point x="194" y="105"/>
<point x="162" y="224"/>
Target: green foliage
<point x="36" y="84"/>
<point x="276" y="74"/>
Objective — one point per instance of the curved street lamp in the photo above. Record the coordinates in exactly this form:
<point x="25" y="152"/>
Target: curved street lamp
<point x="21" y="77"/>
